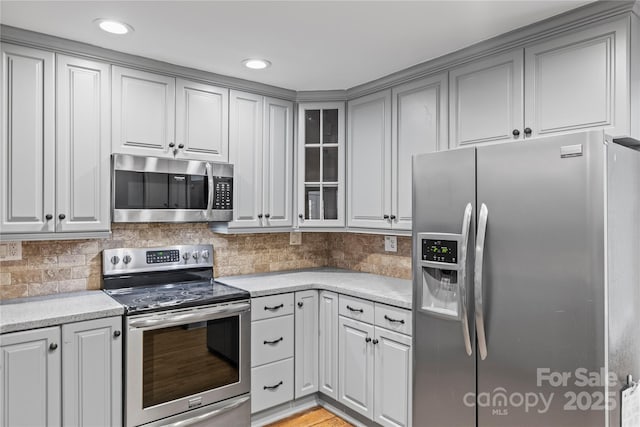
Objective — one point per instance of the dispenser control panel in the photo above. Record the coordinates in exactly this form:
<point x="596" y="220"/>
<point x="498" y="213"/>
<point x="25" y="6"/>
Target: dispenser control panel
<point x="440" y="251"/>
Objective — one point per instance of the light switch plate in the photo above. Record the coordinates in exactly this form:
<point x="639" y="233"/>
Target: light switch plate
<point x="391" y="243"/>
<point x="295" y="238"/>
<point x="10" y="251"/>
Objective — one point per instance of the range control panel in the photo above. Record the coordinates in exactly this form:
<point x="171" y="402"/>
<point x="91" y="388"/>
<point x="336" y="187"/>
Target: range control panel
<point x="158" y="257"/>
<point x="222" y="192"/>
<point x="440" y="251"/>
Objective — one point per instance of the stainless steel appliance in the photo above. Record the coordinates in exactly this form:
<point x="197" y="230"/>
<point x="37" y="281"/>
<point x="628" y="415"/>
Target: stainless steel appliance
<point x="150" y="189"/>
<point x="187" y="343"/>
<point x="526" y="282"/>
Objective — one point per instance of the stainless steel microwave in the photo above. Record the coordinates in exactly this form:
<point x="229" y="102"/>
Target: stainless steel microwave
<point x="151" y="189"/>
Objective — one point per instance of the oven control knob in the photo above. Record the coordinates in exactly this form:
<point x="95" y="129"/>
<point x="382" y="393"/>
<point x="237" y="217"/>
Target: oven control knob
<point x="115" y="259"/>
<point x="126" y="259"/>
<point x="195" y="255"/>
<point x="205" y="254"/>
<point x="185" y="256"/>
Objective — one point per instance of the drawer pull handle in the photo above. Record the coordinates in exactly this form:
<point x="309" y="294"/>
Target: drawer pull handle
<point x="272" y="387"/>
<point x="394" y="320"/>
<point x="357" y="310"/>
<point x="275" y="307"/>
<point x="274" y="341"/>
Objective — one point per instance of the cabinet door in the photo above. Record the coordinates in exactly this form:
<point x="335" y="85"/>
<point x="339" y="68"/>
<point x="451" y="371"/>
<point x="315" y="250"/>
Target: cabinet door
<point x="485" y="100"/>
<point x="92" y="366"/>
<point x="419" y="125"/>
<point x="143" y="112"/>
<point x="27" y="160"/>
<point x="245" y="141"/>
<point x="277" y="163"/>
<point x="393" y="378"/>
<point x="369" y="161"/>
<point x="83" y="145"/>
<point x="328" y="335"/>
<point x="579" y="81"/>
<point x="30" y="378"/>
<point x="306" y="347"/>
<point x="202" y="121"/>
<point x="356" y="365"/>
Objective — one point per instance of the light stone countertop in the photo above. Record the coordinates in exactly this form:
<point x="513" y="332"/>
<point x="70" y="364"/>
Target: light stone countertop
<point x="51" y="310"/>
<point x="386" y="290"/>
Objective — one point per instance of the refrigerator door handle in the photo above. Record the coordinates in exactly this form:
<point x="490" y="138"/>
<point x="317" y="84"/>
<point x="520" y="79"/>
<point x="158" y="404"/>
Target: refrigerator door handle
<point x="477" y="280"/>
<point x="466" y="225"/>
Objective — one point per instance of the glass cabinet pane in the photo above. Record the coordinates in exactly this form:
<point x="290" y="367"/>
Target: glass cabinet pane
<point x="312" y="164"/>
<point x="330" y="126"/>
<point x="330" y="164"/>
<point x="312" y="127"/>
<point x="312" y="203"/>
<point x="330" y="201"/>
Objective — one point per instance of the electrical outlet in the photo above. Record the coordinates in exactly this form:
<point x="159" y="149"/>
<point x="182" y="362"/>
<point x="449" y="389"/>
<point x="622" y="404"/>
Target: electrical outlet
<point x="295" y="238"/>
<point x="10" y="251"/>
<point x="391" y="243"/>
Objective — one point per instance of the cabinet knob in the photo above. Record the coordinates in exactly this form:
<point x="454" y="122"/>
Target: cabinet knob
<point x="267" y="215"/>
<point x="171" y="145"/>
<point x="392" y="217"/>
<point x="62" y="216"/>
<point x="385" y="216"/>
<point x="53" y="346"/>
<point x="527" y="131"/>
<point x="300" y="216"/>
<point x="181" y="146"/>
<point x="516" y="133"/>
<point x="367" y="339"/>
<point x="375" y="341"/>
<point x="300" y="304"/>
<point x="48" y="217"/>
<point x="116" y="334"/>
<point x="260" y="216"/>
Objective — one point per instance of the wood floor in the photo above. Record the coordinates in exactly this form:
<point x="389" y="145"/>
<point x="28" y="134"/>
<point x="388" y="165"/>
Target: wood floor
<point x="316" y="417"/>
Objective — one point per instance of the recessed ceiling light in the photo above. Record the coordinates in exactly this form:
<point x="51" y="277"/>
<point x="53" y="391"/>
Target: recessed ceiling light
<point x="113" y="27"/>
<point x="256" y="64"/>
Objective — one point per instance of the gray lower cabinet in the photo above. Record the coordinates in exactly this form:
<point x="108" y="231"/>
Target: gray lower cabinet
<point x="306" y="343"/>
<point x="76" y="368"/>
<point x="92" y="373"/>
<point x="55" y="172"/>
<point x="30" y="378"/>
<point x="328" y="344"/>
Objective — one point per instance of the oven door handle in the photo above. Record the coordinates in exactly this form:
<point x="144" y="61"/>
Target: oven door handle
<point x="210" y="414"/>
<point x="210" y="195"/>
<point x="197" y="316"/>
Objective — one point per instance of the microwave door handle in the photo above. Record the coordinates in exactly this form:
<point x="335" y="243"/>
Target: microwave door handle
<point x="210" y="198"/>
<point x="198" y="316"/>
<point x="477" y="280"/>
<point x="466" y="225"/>
<point x="207" y="415"/>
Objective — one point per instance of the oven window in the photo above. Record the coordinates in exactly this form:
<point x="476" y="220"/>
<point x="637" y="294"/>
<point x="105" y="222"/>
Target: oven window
<point x="190" y="359"/>
<point x="151" y="190"/>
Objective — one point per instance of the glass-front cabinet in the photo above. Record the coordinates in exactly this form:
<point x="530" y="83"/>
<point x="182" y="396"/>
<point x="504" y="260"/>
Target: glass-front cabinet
<point x="321" y="165"/>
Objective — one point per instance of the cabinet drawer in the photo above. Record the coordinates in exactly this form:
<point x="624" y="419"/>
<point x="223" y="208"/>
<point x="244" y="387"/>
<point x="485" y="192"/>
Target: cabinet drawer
<point x="271" y="385"/>
<point x="271" y="306"/>
<point x="356" y="308"/>
<point x="393" y="318"/>
<point x="271" y="340"/>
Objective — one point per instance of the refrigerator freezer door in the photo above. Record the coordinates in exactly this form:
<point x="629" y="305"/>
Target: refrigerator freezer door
<point x="444" y="373"/>
<point x="543" y="283"/>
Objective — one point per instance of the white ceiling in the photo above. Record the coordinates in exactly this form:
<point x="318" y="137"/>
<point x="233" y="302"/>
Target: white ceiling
<point x="313" y="45"/>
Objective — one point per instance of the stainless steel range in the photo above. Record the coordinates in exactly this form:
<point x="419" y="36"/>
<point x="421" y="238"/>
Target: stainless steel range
<point x="187" y="337"/>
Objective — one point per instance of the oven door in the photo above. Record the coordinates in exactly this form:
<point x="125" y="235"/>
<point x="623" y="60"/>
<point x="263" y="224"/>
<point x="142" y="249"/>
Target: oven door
<point x="182" y="360"/>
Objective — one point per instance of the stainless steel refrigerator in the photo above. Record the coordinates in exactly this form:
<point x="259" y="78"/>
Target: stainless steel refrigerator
<point x="526" y="282"/>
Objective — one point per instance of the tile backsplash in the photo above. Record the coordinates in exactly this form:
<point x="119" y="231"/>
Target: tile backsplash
<point x="49" y="267"/>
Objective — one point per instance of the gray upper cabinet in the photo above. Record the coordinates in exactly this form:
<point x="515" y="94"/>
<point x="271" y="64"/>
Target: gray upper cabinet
<point x="486" y="100"/>
<point x="92" y="367"/>
<point x="202" y="117"/>
<point x="83" y="145"/>
<point x="419" y="125"/>
<point x="27" y="160"/>
<point x="30" y="390"/>
<point x="143" y="112"/>
<point x="261" y="142"/>
<point x="579" y="81"/>
<point x="369" y="161"/>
